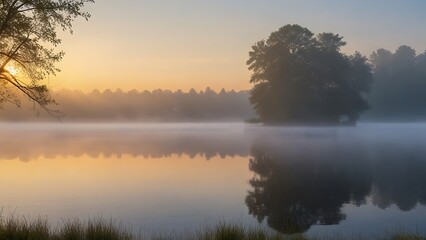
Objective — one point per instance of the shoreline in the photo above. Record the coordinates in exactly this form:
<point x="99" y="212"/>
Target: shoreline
<point x="40" y="229"/>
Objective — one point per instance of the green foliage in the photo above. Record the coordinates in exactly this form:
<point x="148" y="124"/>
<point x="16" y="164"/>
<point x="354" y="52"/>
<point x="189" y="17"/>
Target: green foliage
<point x="300" y="78"/>
<point x="28" y="37"/>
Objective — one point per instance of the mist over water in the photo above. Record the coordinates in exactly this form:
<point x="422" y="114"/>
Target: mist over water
<point x="223" y="118"/>
<point x="28" y="141"/>
<point x="318" y="180"/>
<point x="138" y="106"/>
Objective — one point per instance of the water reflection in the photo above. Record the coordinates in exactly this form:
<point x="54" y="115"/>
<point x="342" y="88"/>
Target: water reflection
<point x="399" y="178"/>
<point x="294" y="190"/>
<point x="28" y="142"/>
<point x="289" y="178"/>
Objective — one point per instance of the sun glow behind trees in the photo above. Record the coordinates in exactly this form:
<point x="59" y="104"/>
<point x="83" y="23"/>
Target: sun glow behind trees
<point x="28" y="38"/>
<point x="12" y="70"/>
<point x="195" y="44"/>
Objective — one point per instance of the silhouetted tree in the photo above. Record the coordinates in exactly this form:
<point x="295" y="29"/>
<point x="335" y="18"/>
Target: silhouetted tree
<point x="302" y="78"/>
<point x="27" y="41"/>
<point x="399" y="86"/>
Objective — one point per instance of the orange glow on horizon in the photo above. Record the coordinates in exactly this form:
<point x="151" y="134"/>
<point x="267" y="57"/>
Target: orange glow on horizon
<point x="151" y="75"/>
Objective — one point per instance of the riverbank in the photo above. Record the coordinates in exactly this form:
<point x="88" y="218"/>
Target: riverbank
<point x="40" y="229"/>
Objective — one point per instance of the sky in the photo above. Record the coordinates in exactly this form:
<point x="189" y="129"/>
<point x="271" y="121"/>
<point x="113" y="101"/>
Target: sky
<point x="184" y="44"/>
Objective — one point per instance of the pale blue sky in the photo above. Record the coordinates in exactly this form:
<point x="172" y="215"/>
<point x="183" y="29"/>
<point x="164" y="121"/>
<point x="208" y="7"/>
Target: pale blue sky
<point x="174" y="44"/>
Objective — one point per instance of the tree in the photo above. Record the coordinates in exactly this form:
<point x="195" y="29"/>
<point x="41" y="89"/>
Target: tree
<point x="28" y="37"/>
<point x="300" y="78"/>
<point x="398" y="92"/>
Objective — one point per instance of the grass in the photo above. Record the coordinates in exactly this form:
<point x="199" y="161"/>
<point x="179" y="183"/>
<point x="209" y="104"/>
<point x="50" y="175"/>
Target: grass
<point x="22" y="229"/>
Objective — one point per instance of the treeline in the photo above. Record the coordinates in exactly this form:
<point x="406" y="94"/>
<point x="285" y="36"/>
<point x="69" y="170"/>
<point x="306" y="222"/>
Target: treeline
<point x="398" y="93"/>
<point x="399" y="87"/>
<point x="301" y="77"/>
<point x="149" y="106"/>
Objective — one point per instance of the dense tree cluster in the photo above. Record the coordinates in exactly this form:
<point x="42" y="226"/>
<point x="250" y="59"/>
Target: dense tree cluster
<point x="399" y="85"/>
<point x="302" y="78"/>
<point x="158" y="105"/>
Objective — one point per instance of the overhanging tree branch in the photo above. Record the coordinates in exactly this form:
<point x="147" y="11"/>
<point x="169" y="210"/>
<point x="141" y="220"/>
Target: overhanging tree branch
<point x="26" y="28"/>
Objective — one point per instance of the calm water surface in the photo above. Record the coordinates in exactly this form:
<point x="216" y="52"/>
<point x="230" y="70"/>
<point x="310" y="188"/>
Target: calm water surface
<point x="178" y="177"/>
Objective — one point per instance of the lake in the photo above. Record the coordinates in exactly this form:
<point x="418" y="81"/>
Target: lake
<point x="368" y="179"/>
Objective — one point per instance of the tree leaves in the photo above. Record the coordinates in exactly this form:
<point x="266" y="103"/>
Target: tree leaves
<point x="28" y="38"/>
<point x="309" y="79"/>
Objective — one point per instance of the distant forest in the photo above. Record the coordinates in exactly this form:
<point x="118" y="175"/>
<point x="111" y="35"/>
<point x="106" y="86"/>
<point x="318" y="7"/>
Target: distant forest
<point x="145" y="106"/>
<point x="398" y="93"/>
<point x="399" y="86"/>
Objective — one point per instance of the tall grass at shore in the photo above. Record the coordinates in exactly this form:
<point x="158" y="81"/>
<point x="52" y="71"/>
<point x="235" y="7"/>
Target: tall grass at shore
<point x="23" y="229"/>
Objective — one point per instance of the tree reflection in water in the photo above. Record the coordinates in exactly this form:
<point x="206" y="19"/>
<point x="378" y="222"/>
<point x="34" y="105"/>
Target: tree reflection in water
<point x="302" y="176"/>
<point x="297" y="189"/>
